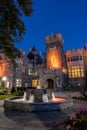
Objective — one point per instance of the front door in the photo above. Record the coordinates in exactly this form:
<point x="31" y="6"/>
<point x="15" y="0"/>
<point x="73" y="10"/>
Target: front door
<point x="50" y="83"/>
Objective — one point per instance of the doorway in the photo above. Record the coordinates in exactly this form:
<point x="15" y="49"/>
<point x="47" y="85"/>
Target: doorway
<point x="49" y="83"/>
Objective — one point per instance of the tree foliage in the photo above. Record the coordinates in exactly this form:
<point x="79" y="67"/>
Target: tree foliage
<point x="12" y="26"/>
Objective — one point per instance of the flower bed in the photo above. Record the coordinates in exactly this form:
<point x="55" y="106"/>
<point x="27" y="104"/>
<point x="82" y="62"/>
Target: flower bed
<point x="76" y="122"/>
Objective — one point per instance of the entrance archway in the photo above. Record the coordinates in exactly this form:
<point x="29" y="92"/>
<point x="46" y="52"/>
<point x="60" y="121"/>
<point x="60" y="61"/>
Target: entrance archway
<point x="49" y="83"/>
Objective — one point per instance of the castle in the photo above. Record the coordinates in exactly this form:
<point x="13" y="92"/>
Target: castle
<point x="53" y="69"/>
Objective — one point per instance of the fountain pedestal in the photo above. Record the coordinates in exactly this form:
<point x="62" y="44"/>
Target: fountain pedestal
<point x="45" y="98"/>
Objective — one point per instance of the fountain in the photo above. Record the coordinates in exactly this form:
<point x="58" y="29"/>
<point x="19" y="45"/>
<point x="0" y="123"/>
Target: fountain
<point x="45" y="96"/>
<point x="31" y="98"/>
<point x="57" y="99"/>
<point x="38" y="101"/>
<point x="24" y="97"/>
<point x="21" y="98"/>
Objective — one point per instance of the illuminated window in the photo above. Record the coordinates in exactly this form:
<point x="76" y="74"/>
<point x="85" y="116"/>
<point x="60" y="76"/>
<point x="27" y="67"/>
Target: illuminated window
<point x="81" y="69"/>
<point x="29" y="72"/>
<point x="79" y="75"/>
<point x="76" y="76"/>
<point x="82" y="74"/>
<point x="34" y="83"/>
<point x="39" y="82"/>
<point x="69" y="70"/>
<point x="69" y="75"/>
<point x="76" y="72"/>
<point x="72" y="70"/>
<point x="36" y="73"/>
<point x="73" y="76"/>
<point x="18" y="82"/>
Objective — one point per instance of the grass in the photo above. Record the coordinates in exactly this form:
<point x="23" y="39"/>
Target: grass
<point x="4" y="96"/>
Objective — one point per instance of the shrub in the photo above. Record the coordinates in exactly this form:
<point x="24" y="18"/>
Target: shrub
<point x="13" y="89"/>
<point x="68" y="88"/>
<point x="19" y="93"/>
<point x="1" y="89"/>
<point x="77" y="122"/>
<point x="81" y="97"/>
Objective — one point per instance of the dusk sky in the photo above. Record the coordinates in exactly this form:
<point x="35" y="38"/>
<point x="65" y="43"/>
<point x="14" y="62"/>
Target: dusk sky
<point x="68" y="17"/>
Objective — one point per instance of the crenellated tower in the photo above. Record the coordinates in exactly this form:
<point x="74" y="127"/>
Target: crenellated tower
<point x="54" y="49"/>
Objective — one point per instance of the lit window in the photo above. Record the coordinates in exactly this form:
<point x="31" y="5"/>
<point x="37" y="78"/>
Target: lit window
<point x="78" y="70"/>
<point x="82" y="74"/>
<point x="29" y="72"/>
<point x="76" y="76"/>
<point x="75" y="70"/>
<point x="39" y="82"/>
<point x="18" y="82"/>
<point x="79" y="75"/>
<point x="69" y="70"/>
<point x="72" y="70"/>
<point x="34" y="83"/>
<point x="81" y="69"/>
<point x="73" y="76"/>
<point x="36" y="73"/>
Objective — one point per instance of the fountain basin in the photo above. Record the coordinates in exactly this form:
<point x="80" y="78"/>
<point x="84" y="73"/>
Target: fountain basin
<point x="13" y="104"/>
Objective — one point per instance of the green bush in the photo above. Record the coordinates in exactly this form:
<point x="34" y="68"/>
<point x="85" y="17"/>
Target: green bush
<point x="81" y="98"/>
<point x="69" y="89"/>
<point x="1" y="89"/>
<point x="13" y="89"/>
<point x="18" y="93"/>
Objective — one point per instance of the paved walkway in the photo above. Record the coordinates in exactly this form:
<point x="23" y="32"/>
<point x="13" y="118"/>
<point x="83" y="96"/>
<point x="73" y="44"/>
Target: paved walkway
<point x="14" y="120"/>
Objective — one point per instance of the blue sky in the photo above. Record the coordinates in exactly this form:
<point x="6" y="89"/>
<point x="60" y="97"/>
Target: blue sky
<point x="68" y="17"/>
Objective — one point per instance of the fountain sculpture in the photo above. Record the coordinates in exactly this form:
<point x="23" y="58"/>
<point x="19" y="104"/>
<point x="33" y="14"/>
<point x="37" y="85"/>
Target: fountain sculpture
<point x="38" y="100"/>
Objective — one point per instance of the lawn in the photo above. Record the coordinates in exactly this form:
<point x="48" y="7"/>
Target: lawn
<point x="4" y="96"/>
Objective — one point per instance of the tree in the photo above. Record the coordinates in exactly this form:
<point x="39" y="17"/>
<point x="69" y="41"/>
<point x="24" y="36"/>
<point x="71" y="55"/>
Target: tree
<point x="12" y="26"/>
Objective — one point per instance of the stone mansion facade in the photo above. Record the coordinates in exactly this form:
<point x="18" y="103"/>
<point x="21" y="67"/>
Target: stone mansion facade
<point x="51" y="70"/>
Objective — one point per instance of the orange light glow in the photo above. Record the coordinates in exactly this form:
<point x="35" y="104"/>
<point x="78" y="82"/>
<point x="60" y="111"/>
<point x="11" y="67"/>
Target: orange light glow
<point x="3" y="69"/>
<point x="58" y="99"/>
<point x="54" y="60"/>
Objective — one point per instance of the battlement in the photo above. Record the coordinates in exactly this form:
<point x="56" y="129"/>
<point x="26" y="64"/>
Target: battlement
<point x="52" y="38"/>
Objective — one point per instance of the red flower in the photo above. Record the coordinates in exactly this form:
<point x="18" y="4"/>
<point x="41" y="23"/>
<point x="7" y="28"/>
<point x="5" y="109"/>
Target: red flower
<point x="73" y="117"/>
<point x="68" y="127"/>
<point x="80" y="110"/>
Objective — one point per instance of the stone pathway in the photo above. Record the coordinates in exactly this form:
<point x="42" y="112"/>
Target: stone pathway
<point x="15" y="120"/>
